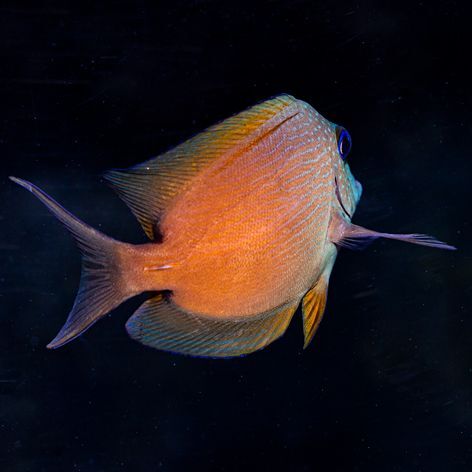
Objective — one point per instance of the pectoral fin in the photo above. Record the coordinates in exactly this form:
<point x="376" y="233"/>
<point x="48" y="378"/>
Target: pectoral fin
<point x="343" y="233"/>
<point x="161" y="324"/>
<point x="313" y="307"/>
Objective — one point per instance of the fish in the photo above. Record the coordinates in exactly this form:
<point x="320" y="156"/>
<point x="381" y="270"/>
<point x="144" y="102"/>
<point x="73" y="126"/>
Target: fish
<point x="245" y="221"/>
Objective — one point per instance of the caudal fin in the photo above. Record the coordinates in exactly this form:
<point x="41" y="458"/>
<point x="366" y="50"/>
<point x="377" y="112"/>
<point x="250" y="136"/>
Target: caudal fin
<point x="100" y="287"/>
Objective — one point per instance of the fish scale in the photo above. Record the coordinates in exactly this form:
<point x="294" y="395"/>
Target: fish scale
<point x="246" y="167"/>
<point x="245" y="220"/>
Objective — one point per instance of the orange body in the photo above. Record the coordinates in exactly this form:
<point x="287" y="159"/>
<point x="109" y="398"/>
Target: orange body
<point x="245" y="220"/>
<point x="250" y="231"/>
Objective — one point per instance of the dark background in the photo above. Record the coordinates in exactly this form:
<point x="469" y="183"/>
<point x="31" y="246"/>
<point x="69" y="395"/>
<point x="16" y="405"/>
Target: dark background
<point x="386" y="384"/>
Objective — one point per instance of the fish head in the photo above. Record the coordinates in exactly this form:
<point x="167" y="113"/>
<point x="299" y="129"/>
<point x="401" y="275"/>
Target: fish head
<point x="348" y="192"/>
<point x="347" y="189"/>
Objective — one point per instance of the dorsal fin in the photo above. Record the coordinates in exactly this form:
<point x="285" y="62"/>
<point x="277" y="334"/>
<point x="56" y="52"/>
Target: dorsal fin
<point x="161" y="324"/>
<point x="149" y="187"/>
<point x="313" y="307"/>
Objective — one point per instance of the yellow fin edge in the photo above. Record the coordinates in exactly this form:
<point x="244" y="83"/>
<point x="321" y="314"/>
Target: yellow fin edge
<point x="313" y="307"/>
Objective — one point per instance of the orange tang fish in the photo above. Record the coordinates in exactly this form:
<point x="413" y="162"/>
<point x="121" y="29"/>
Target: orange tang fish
<point x="245" y="222"/>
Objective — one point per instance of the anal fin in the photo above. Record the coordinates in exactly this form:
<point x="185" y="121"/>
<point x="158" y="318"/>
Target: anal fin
<point x="161" y="324"/>
<point x="313" y="307"/>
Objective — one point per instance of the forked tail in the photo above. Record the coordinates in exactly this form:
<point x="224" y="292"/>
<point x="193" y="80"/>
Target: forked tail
<point x="101" y="288"/>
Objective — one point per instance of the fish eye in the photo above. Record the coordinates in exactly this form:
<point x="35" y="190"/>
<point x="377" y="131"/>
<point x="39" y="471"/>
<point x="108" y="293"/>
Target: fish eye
<point x="344" y="142"/>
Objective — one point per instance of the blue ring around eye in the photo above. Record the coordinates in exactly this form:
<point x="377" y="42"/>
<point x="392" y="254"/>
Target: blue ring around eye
<point x="344" y="144"/>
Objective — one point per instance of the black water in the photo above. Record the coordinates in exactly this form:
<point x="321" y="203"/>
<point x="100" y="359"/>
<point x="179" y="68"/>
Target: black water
<point x="386" y="385"/>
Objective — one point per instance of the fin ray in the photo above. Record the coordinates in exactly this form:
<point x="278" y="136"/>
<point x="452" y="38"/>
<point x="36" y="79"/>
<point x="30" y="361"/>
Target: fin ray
<point x="161" y="324"/>
<point x="99" y="291"/>
<point x="313" y="307"/>
<point x="357" y="237"/>
<point x="343" y="233"/>
<point x="149" y="187"/>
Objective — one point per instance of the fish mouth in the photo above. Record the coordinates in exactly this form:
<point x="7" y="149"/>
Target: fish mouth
<point x="338" y="195"/>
